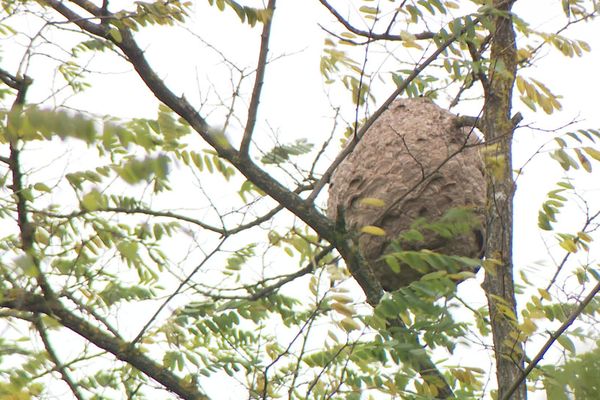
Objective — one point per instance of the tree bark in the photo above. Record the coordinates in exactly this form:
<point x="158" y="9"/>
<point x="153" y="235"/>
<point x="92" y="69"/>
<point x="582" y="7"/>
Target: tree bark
<point x="498" y="131"/>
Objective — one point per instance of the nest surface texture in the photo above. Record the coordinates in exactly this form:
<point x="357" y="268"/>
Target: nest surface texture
<point x="420" y="163"/>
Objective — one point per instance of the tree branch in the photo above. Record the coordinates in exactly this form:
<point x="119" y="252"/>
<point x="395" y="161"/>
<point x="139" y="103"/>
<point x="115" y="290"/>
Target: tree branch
<point x="258" y="81"/>
<point x="62" y="370"/>
<point x="26" y="301"/>
<point x="290" y="200"/>
<point x="138" y="337"/>
<point x="168" y="214"/>
<point x="498" y="127"/>
<point x="371" y="36"/>
<point x="565" y="325"/>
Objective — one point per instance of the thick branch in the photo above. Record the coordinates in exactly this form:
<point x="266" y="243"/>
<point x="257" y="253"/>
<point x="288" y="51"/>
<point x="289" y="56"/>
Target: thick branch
<point x="498" y="128"/>
<point x="304" y="210"/>
<point x="26" y="301"/>
<point x="290" y="200"/>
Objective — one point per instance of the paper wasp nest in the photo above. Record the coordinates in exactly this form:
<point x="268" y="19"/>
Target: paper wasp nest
<point x="414" y="159"/>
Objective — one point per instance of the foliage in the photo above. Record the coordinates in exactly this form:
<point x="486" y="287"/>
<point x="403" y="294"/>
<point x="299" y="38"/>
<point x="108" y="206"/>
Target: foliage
<point x="575" y="379"/>
<point x="144" y="254"/>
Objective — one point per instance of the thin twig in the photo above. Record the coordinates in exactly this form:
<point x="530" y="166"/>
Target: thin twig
<point x="176" y="292"/>
<point x="567" y="255"/>
<point x="371" y="35"/>
<point x="168" y="214"/>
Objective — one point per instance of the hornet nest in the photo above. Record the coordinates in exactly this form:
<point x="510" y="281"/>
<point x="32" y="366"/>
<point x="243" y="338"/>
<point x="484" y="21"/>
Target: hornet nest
<point x="417" y="161"/>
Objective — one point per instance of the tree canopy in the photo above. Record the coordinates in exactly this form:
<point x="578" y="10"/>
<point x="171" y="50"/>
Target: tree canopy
<point x="164" y="171"/>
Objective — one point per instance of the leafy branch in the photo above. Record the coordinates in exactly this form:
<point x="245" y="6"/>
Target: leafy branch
<point x="553" y="337"/>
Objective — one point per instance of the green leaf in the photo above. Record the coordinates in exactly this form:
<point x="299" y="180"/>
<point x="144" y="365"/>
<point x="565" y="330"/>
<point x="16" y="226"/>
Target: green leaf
<point x="42" y="187"/>
<point x="93" y="201"/>
<point x="282" y="153"/>
<point x="544" y="222"/>
<point x="128" y="249"/>
<point x="115" y="34"/>
<point x="369" y="10"/>
<point x="566" y="343"/>
<point x="393" y="263"/>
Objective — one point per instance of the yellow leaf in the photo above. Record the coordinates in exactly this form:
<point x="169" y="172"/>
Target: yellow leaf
<point x="460" y="276"/>
<point x="433" y="390"/>
<point x="595" y="154"/>
<point x="372" y="230"/>
<point x="520" y="84"/>
<point x="523" y="54"/>
<point x="42" y="187"/>
<point x="491" y="266"/>
<point x="343" y="309"/>
<point x="584" y="236"/>
<point x="584" y="45"/>
<point x="528" y="327"/>
<point x="412" y="43"/>
<point x="546" y="104"/>
<point x="116" y="35"/>
<point x="349" y="324"/>
<point x="405" y="318"/>
<point x="545" y="295"/>
<point x="369" y="10"/>
<point x="372" y="201"/>
<point x="342" y="298"/>
<point x="569" y="245"/>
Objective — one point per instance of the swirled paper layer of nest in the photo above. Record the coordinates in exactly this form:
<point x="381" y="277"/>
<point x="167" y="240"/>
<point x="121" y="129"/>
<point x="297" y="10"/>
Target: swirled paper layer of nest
<point x="420" y="163"/>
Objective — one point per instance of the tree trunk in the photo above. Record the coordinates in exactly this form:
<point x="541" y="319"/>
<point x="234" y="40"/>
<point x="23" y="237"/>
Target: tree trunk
<point x="498" y="130"/>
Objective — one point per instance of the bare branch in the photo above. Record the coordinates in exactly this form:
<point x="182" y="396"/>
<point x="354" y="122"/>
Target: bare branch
<point x="176" y="292"/>
<point x="168" y="214"/>
<point x="258" y="81"/>
<point x="370" y="35"/>
<point x="93" y="313"/>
